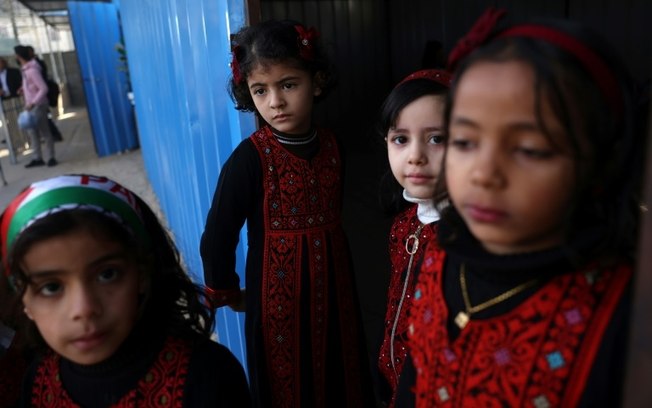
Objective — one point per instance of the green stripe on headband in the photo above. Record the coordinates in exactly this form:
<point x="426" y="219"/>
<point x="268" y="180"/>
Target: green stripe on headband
<point x="71" y="196"/>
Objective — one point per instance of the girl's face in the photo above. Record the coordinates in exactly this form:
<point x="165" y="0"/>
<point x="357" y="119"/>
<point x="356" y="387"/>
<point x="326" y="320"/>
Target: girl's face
<point x="509" y="183"/>
<point x="414" y="145"/>
<point x="283" y="96"/>
<point x="82" y="294"/>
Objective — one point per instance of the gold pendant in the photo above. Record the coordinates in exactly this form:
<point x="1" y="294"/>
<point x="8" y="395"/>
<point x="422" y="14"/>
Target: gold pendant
<point x="462" y="319"/>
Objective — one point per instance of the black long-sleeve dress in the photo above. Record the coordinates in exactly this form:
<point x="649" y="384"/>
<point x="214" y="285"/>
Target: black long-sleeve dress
<point x="305" y="344"/>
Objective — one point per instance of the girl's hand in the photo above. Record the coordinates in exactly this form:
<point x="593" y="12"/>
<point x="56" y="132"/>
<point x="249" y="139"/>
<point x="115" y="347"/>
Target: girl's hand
<point x="240" y="305"/>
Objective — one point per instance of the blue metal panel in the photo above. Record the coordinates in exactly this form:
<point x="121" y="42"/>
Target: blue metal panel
<point x="178" y="55"/>
<point x="96" y="31"/>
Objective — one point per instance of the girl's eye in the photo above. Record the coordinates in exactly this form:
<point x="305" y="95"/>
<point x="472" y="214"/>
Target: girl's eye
<point x="436" y="139"/>
<point x="259" y="91"/>
<point x="289" y="85"/>
<point x="398" y="139"/>
<point x="538" y="154"/>
<point x="108" y="275"/>
<point x="460" y="143"/>
<point x="50" y="289"/>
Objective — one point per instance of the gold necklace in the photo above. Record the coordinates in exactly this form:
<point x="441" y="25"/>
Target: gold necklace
<point x="463" y="317"/>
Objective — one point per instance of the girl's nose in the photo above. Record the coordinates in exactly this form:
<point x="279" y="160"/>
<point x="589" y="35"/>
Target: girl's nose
<point x="84" y="303"/>
<point x="486" y="171"/>
<point x="416" y="154"/>
<point x="276" y="100"/>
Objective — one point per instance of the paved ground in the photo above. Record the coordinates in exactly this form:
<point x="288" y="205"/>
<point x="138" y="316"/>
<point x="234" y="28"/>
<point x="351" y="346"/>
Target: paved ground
<point x="76" y="154"/>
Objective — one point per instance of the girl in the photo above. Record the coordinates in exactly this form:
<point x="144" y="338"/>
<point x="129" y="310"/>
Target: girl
<point x="528" y="304"/>
<point x="102" y="283"/>
<point x="305" y="343"/>
<point x="411" y="122"/>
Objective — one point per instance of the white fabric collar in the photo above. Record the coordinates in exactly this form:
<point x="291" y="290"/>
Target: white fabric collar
<point x="426" y="211"/>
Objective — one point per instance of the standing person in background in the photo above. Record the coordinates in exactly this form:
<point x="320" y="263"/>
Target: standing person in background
<point x="35" y="92"/>
<point x="114" y="317"/>
<point x="305" y="343"/>
<point x="412" y="124"/>
<point x="10" y="80"/>
<point x="525" y="298"/>
<point x="53" y="93"/>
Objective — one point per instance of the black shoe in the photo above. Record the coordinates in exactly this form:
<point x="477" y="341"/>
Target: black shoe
<point x="35" y="163"/>
<point x="52" y="162"/>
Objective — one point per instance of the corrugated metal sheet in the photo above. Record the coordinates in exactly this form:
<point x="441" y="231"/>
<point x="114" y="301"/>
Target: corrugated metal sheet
<point x="178" y="54"/>
<point x="96" y="31"/>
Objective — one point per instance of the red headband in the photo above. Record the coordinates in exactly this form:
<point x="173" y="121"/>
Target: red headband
<point x="591" y="61"/>
<point x="436" y="75"/>
<point x="483" y="31"/>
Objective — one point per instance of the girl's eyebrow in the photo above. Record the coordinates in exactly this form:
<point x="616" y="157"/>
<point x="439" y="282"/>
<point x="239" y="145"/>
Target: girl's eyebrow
<point x="280" y="81"/>
<point x="403" y="130"/>
<point x="524" y="125"/>
<point x="45" y="274"/>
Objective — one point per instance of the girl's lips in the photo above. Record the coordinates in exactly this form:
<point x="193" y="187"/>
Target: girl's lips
<point x="418" y="178"/>
<point x="89" y="341"/>
<point x="485" y="214"/>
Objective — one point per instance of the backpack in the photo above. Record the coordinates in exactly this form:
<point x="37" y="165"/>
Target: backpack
<point x="53" y="92"/>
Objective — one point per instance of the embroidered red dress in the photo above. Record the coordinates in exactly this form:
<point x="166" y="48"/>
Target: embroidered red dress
<point x="539" y="354"/>
<point x="400" y="292"/>
<point x="303" y="333"/>
<point x="167" y="373"/>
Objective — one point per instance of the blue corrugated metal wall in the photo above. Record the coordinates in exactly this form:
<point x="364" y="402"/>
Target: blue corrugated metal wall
<point x="96" y="31"/>
<point x="178" y="54"/>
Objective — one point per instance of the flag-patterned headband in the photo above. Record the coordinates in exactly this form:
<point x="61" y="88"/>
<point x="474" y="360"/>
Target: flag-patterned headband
<point x="67" y="193"/>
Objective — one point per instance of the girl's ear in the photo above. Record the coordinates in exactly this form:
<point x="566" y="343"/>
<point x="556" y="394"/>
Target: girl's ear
<point x="318" y="80"/>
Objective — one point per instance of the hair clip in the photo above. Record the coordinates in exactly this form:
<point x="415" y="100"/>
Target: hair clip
<point x="478" y="35"/>
<point x="235" y="65"/>
<point x="306" y="41"/>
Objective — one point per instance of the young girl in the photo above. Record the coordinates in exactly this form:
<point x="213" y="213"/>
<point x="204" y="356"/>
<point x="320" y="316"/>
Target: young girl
<point x="411" y="122"/>
<point x="526" y="305"/>
<point x="102" y="283"/>
<point x="305" y="344"/>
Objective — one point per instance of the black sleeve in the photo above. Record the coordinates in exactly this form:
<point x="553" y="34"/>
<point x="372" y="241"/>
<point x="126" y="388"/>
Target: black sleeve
<point x="215" y="379"/>
<point x="604" y="387"/>
<point x="233" y="202"/>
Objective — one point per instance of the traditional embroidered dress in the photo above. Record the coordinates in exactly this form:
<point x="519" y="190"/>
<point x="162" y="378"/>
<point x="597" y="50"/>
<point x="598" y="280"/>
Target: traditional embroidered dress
<point x="558" y="344"/>
<point x="304" y="339"/>
<point x="418" y="221"/>
<point x="177" y="373"/>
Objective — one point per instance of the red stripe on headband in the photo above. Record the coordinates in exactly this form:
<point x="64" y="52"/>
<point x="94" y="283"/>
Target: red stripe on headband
<point x="591" y="61"/>
<point x="6" y="221"/>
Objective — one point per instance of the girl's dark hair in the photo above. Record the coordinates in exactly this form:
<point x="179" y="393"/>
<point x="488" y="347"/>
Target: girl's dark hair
<point x="391" y="192"/>
<point x="273" y="42"/>
<point x="172" y="301"/>
<point x="606" y="142"/>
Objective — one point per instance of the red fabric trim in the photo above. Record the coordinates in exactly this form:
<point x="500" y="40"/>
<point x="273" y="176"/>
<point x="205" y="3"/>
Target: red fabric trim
<point x="589" y="350"/>
<point x="162" y="386"/>
<point x="222" y="297"/>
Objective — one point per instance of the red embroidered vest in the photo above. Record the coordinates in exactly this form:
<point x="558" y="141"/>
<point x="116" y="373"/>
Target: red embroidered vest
<point x="162" y="386"/>
<point x="302" y="202"/>
<point x="539" y="354"/>
<point x="405" y="224"/>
